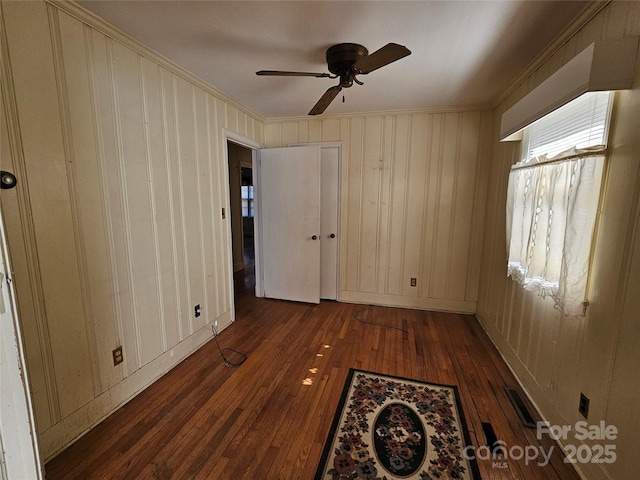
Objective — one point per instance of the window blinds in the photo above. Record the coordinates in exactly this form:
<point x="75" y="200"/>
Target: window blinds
<point x="552" y="201"/>
<point x="580" y="124"/>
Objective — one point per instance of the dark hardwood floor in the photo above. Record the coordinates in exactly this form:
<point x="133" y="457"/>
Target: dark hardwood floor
<point x="269" y="417"/>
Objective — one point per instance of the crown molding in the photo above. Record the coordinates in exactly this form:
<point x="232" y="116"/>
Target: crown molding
<point x="94" y="21"/>
<point x="383" y="113"/>
<point x="592" y="9"/>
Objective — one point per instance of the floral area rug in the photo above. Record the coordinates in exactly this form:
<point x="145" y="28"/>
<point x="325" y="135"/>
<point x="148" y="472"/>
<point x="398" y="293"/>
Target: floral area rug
<point x="388" y="428"/>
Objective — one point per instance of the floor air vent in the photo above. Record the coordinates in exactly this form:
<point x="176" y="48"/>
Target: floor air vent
<point x="521" y="408"/>
<point x="492" y="440"/>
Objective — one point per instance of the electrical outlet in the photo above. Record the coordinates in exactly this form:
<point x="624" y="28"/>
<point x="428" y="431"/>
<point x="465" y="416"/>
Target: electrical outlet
<point x="117" y="356"/>
<point x="215" y="323"/>
<point x="414" y="281"/>
<point x="196" y="311"/>
<point x="583" y="406"/>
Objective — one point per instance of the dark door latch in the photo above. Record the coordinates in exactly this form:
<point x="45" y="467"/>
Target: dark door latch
<point x="7" y="180"/>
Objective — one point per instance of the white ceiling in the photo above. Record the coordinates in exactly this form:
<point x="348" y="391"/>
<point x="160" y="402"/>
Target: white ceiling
<point x="464" y="53"/>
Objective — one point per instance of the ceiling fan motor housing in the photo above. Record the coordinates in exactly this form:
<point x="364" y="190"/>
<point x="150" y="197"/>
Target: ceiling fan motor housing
<point x="341" y="57"/>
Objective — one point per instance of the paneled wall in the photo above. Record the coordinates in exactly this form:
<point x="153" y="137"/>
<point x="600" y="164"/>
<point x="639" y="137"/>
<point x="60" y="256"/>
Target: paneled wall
<point x="412" y="199"/>
<point x="115" y="228"/>
<point x="557" y="358"/>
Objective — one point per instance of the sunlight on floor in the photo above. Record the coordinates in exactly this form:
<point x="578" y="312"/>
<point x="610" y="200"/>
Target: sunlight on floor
<point x="314" y="370"/>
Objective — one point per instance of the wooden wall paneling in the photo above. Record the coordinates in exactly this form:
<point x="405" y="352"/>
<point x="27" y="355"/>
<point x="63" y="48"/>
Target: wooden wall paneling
<point x="519" y="313"/>
<point x="567" y="360"/>
<point x="290" y="133"/>
<point x="343" y="127"/>
<point x="231" y="119"/>
<point x="399" y="219"/>
<point x="521" y="345"/>
<point x="479" y="201"/>
<point x="214" y="236"/>
<point x="272" y="134"/>
<point x="44" y="153"/>
<point x="183" y="197"/>
<point x="371" y="171"/>
<point x="443" y="206"/>
<point x="137" y="218"/>
<point x="170" y="217"/>
<point x="462" y="253"/>
<point x="16" y="212"/>
<point x="74" y="62"/>
<point x="384" y="210"/>
<point x="161" y="333"/>
<point x="153" y="326"/>
<point x="416" y="209"/>
<point x="314" y="131"/>
<point x="398" y="173"/>
<point x="610" y="277"/>
<point x="331" y="130"/>
<point x="431" y="199"/>
<point x="110" y="331"/>
<point x="557" y="358"/>
<point x="121" y="154"/>
<point x="623" y="394"/>
<point x="201" y="209"/>
<point x="216" y="231"/>
<point x="302" y="131"/>
<point x="225" y="273"/>
<point x="353" y="204"/>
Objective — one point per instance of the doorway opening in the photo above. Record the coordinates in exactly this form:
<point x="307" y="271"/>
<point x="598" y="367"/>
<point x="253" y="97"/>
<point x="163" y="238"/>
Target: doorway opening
<point x="242" y="217"/>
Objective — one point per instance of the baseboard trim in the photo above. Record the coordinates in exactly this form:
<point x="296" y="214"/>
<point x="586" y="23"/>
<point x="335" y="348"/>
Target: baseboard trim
<point x="402" y="301"/>
<point x="71" y="428"/>
<point x="547" y="411"/>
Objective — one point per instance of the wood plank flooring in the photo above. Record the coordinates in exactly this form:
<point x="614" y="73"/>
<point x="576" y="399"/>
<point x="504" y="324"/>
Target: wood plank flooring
<point x="269" y="418"/>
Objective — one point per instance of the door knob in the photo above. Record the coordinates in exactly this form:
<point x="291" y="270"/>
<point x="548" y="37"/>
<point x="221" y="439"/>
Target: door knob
<point x="315" y="237"/>
<point x="7" y="180"/>
<point x="333" y="235"/>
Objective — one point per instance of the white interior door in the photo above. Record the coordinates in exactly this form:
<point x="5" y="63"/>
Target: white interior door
<point x="289" y="202"/>
<point x="329" y="214"/>
<point x="19" y="457"/>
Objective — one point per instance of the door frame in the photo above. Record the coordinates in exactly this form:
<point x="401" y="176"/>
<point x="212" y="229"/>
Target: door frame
<point x="233" y="137"/>
<point x="341" y="244"/>
<point x="19" y="451"/>
<point x="254" y="146"/>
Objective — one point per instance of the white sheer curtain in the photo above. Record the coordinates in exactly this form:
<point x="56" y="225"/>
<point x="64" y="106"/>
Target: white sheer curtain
<point x="553" y="197"/>
<point x="551" y="212"/>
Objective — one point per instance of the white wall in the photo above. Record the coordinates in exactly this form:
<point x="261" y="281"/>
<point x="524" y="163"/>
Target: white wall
<point x="115" y="228"/>
<point x="557" y="358"/>
<point x="412" y="203"/>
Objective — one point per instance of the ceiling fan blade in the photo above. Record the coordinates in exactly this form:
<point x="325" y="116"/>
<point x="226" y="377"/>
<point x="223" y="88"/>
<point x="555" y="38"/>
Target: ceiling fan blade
<point x="325" y="100"/>
<point x="384" y="56"/>
<point x="278" y="73"/>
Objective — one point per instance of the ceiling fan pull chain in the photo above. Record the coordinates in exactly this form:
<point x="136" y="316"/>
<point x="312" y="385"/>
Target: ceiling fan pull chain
<point x="343" y="98"/>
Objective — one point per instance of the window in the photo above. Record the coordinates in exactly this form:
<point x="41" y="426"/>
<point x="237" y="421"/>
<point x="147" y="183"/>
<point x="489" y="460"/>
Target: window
<point x="246" y="193"/>
<point x="553" y="198"/>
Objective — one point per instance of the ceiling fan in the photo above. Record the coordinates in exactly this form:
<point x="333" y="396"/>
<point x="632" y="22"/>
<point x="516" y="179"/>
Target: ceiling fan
<point x="346" y="61"/>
